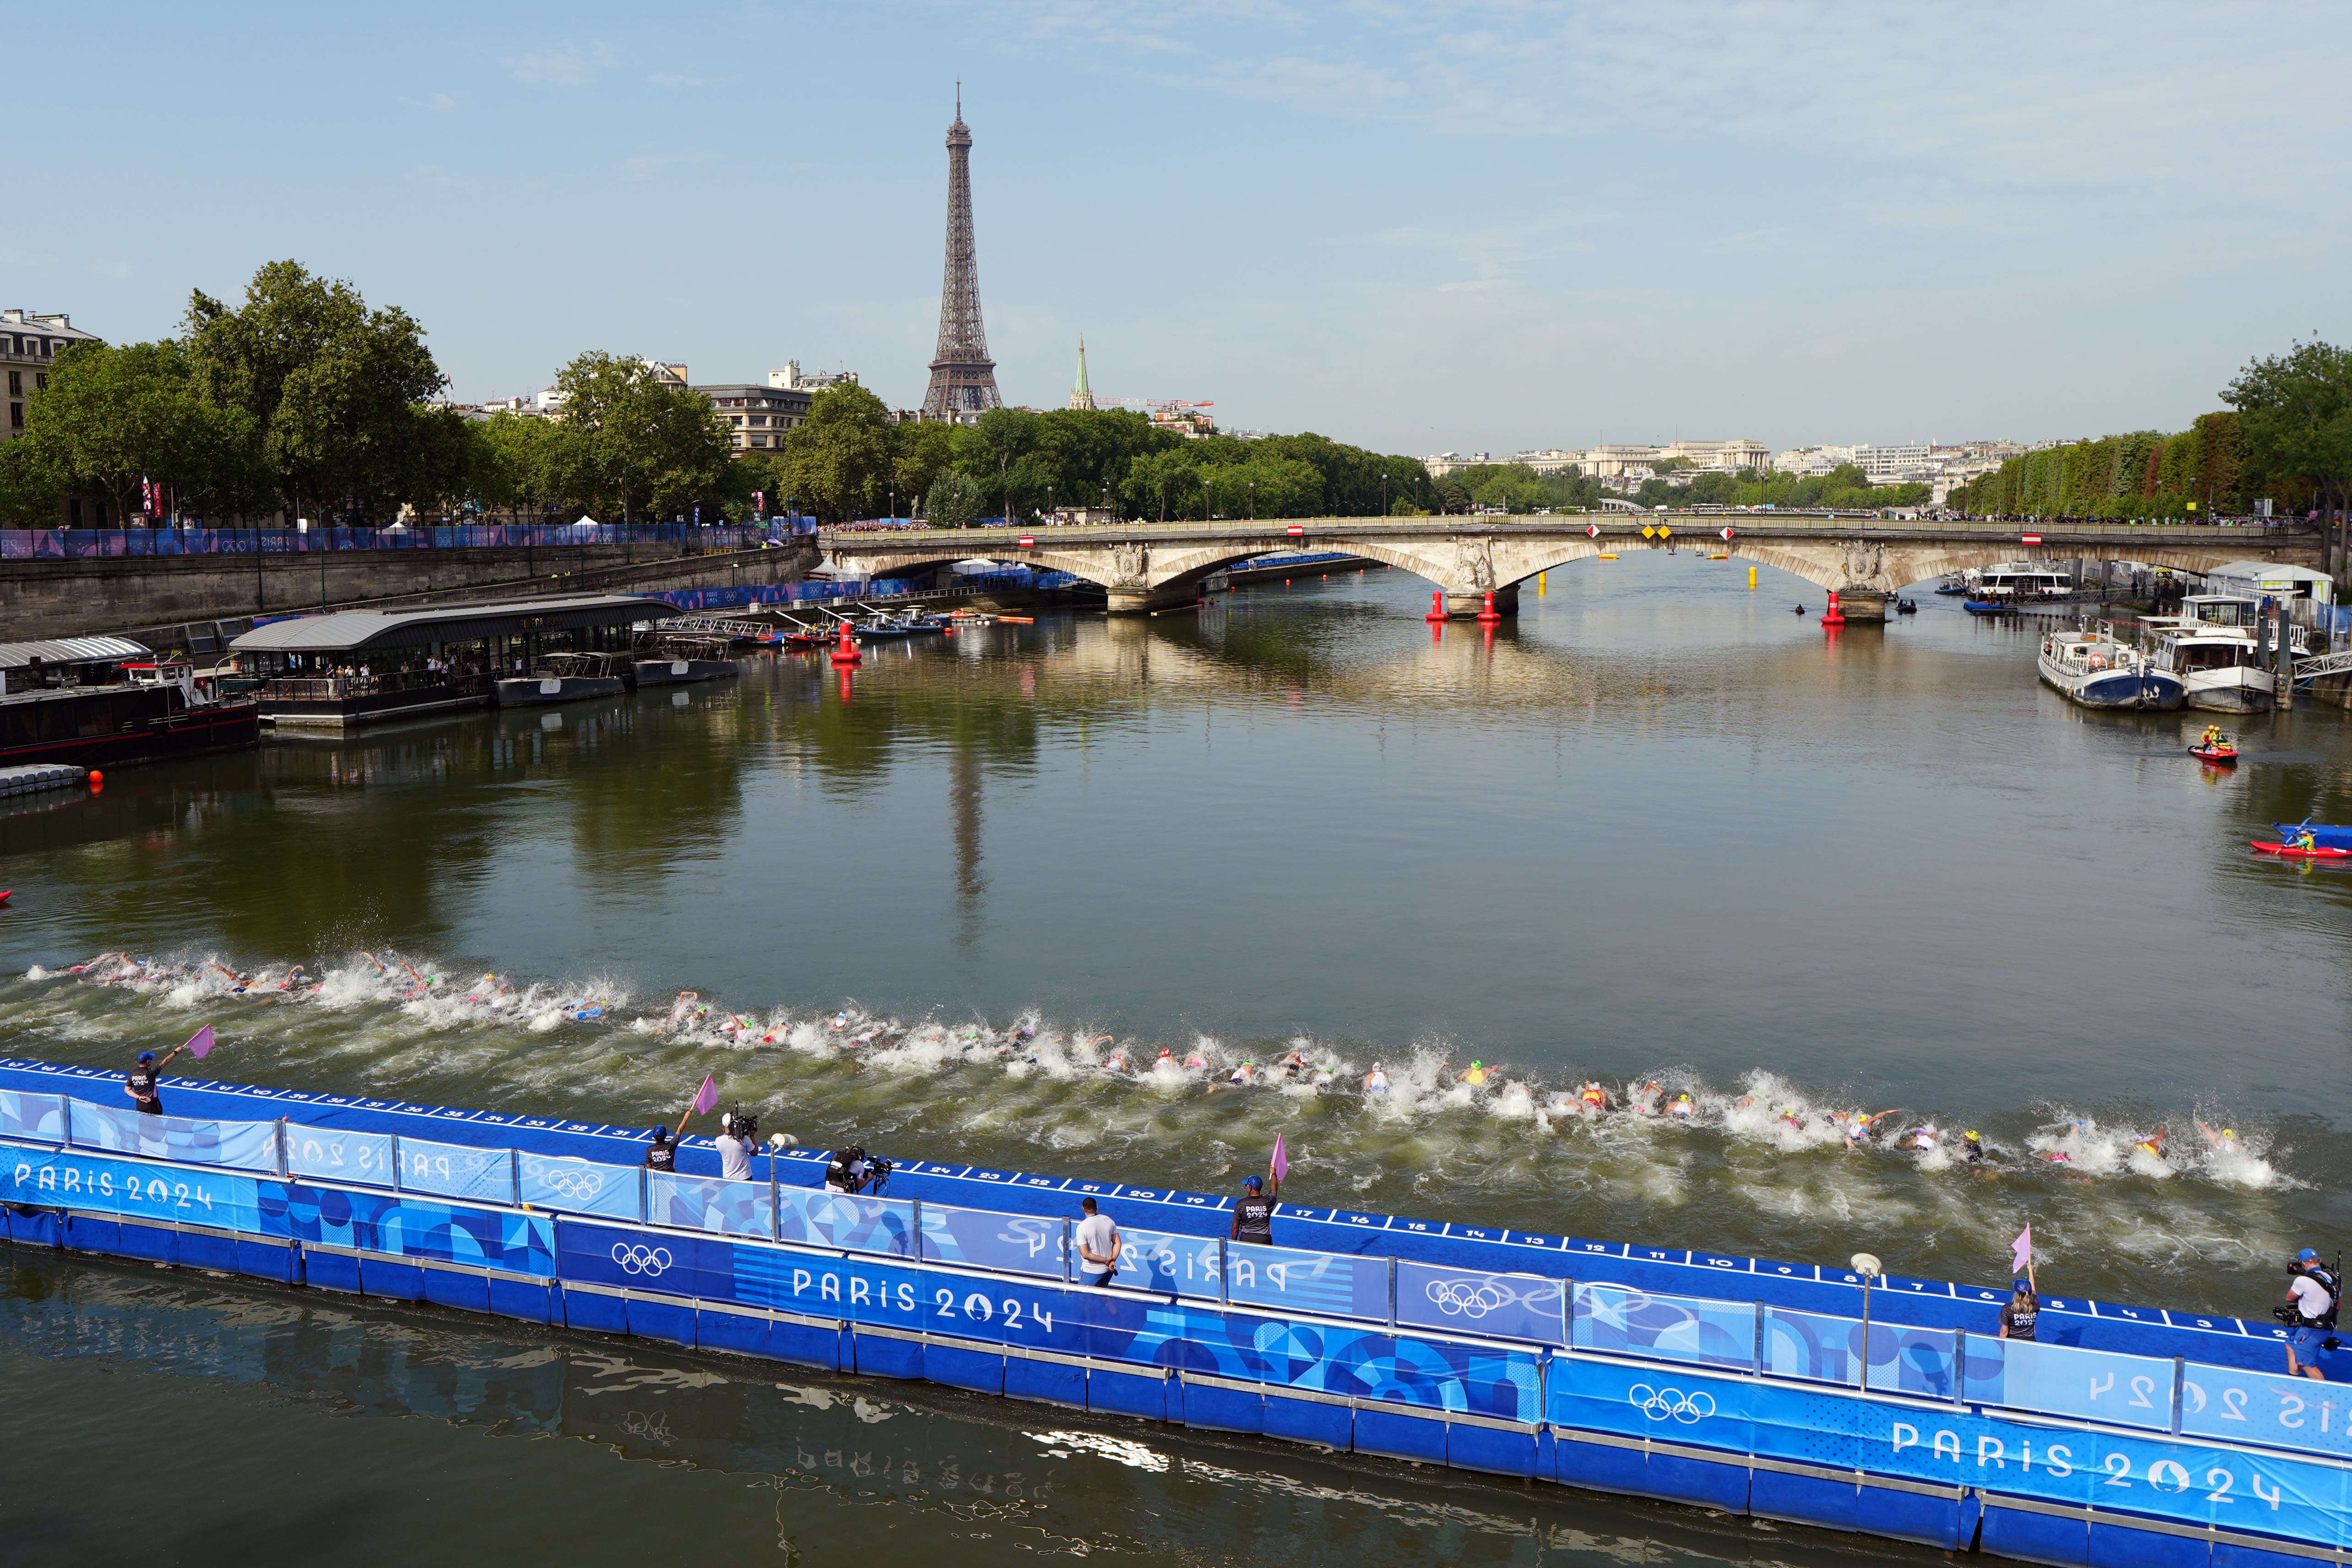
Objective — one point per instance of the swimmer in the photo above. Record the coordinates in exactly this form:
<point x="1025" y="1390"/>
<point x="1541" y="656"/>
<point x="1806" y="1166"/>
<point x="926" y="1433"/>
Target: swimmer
<point x="124" y="958"/>
<point x="1377" y="1080"/>
<point x="1924" y="1138"/>
<point x="1474" y="1075"/>
<point x="1117" y="1062"/>
<point x="680" y="1011"/>
<point x="841" y="1019"/>
<point x="235" y="982"/>
<point x="1593" y="1099"/>
<point x="1167" y="1059"/>
<point x="2152" y="1145"/>
<point x="1858" y="1127"/>
<point x="1325" y="1077"/>
<point x="1295" y="1064"/>
<point x="1973" y="1147"/>
<point x="1684" y="1108"/>
<point x="2225" y="1141"/>
<point x="1238" y="1078"/>
<point x="1197" y="1061"/>
<point x="381" y="972"/>
<point x="1020" y="1034"/>
<point x="1645" y="1102"/>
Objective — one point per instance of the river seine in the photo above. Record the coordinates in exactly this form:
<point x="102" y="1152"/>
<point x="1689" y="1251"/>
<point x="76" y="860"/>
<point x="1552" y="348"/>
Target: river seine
<point x="1660" y="830"/>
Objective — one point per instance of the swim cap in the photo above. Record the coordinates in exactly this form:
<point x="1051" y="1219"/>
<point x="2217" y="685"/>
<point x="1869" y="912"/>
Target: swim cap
<point x="2306" y="1255"/>
<point x="1253" y="1184"/>
<point x="146" y="1056"/>
<point x="1971" y="1135"/>
<point x="2229" y="1133"/>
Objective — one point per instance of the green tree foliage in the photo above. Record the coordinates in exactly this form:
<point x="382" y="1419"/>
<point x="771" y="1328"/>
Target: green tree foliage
<point x="524" y="466"/>
<point x="839" y="465"/>
<point x="1844" y="489"/>
<point x="954" y="500"/>
<point x="2141" y="474"/>
<point x="112" y="416"/>
<point x="336" y="391"/>
<point x="2294" y="418"/>
<point x="626" y="428"/>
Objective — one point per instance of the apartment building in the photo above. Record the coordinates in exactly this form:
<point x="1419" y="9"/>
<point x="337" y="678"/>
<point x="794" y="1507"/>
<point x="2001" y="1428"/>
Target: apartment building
<point x="758" y="415"/>
<point x="30" y="344"/>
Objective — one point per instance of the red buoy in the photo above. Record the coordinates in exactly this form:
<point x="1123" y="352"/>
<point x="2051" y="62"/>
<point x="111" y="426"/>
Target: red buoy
<point x="1489" y="615"/>
<point x="1834" y="617"/>
<point x="846" y="650"/>
<point x="96" y="778"/>
<point x="1436" y="606"/>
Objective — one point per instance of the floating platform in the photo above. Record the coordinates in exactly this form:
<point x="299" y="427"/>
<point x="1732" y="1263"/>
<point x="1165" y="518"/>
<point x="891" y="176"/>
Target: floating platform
<point x="32" y="777"/>
<point x="2127" y="1435"/>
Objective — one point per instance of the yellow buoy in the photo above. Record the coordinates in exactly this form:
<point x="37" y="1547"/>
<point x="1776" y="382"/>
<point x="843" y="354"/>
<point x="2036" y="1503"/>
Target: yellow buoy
<point x="1542" y="578"/>
<point x="1609" y="556"/>
<point x="1751" y="576"/>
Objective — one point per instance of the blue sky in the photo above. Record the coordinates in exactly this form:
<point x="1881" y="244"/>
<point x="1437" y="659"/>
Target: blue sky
<point x="1416" y="227"/>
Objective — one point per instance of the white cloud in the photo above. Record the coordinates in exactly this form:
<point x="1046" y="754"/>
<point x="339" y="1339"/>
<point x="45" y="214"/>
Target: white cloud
<point x="567" y="64"/>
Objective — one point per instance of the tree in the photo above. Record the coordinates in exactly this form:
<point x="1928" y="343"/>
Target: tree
<point x="113" y="416"/>
<point x="2294" y="417"/>
<point x="640" y="442"/>
<point x="1160" y="479"/>
<point x="330" y="385"/>
<point x="920" y="453"/>
<point x="955" y="500"/>
<point x="838" y="464"/>
<point x="524" y="465"/>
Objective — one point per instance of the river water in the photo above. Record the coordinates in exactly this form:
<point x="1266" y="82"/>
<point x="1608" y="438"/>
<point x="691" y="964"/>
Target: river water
<point x="1660" y="830"/>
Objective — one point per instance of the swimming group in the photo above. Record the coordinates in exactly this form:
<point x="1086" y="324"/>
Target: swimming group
<point x="2077" y="1145"/>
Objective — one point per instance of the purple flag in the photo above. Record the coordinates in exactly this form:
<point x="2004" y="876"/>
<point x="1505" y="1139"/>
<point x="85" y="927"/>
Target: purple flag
<point x="2021" y="1251"/>
<point x="705" y="1099"/>
<point x="200" y="1044"/>
<point x="1281" y="1164"/>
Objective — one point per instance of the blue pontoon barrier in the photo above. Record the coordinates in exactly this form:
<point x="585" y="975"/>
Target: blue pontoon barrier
<point x="2127" y="1435"/>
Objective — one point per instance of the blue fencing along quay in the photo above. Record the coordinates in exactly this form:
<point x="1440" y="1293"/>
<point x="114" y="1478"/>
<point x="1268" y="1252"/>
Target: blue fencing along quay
<point x="2127" y="1435"/>
<point x="102" y="543"/>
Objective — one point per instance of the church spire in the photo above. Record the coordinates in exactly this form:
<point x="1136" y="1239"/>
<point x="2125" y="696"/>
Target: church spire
<point x="1082" y="395"/>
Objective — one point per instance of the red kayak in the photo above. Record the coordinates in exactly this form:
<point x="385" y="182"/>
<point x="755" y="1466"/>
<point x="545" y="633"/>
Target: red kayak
<point x="2316" y="852"/>
<point x="2219" y="756"/>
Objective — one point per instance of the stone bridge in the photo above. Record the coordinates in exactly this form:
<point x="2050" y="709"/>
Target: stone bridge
<point x="1150" y="567"/>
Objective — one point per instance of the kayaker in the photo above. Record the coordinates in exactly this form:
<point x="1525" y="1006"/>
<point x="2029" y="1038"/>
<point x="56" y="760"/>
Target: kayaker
<point x="2304" y="840"/>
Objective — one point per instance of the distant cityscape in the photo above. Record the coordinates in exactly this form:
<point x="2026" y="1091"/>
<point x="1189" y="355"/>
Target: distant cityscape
<point x="1940" y="466"/>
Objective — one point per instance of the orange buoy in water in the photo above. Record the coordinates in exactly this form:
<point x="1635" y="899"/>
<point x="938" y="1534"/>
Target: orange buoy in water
<point x="846" y="650"/>
<point x="1436" y="606"/>
<point x="1489" y="615"/>
<point x="1834" y="617"/>
<point x="96" y="778"/>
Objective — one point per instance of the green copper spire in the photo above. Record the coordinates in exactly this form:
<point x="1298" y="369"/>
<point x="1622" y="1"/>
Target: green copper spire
<point x="1082" y="395"/>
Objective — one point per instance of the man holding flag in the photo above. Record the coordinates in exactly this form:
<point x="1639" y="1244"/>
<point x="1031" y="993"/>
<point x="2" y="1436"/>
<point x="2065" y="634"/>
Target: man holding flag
<point x="663" y="1155"/>
<point x="1254" y="1213"/>
<point x="143" y="1082"/>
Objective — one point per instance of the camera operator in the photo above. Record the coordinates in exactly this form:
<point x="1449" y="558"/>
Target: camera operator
<point x="739" y="1135"/>
<point x="2313" y="1296"/>
<point x="851" y="1169"/>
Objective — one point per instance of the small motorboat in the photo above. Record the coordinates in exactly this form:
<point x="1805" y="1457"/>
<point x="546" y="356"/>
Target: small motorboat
<point x="1906" y="606"/>
<point x="1953" y="585"/>
<point x="1989" y="607"/>
<point x="2305" y="852"/>
<point x="2224" y="755"/>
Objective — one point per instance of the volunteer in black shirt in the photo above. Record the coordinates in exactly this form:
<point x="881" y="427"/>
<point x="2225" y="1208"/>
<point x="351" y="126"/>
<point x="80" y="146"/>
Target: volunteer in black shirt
<point x="2017" y="1317"/>
<point x="661" y="1154"/>
<point x="1253" y="1215"/>
<point x="143" y="1083"/>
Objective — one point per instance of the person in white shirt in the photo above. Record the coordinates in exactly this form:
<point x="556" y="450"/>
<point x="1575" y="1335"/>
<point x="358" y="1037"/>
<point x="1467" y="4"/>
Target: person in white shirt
<point x="2313" y="1292"/>
<point x="1099" y="1245"/>
<point x="734" y="1150"/>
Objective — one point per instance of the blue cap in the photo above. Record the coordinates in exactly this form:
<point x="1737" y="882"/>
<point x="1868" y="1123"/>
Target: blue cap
<point x="1253" y="1183"/>
<point x="661" y="1132"/>
<point x="2306" y="1255"/>
<point x="146" y="1056"/>
<point x="2020" y="1283"/>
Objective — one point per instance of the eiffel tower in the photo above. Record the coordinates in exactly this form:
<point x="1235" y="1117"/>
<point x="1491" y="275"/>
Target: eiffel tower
<point x="963" y="378"/>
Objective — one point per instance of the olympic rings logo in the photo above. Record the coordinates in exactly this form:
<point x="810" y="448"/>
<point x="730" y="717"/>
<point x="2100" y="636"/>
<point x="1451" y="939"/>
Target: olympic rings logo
<point x="639" y="1258"/>
<point x="577" y="1183"/>
<point x="1671" y="1403"/>
<point x="1469" y="1299"/>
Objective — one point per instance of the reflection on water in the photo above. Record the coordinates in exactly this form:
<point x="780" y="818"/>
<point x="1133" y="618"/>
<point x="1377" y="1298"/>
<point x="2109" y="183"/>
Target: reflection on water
<point x="183" y="1420"/>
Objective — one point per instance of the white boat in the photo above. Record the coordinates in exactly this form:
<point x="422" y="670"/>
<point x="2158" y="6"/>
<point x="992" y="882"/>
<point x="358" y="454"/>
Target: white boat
<point x="2214" y="645"/>
<point x="2020" y="580"/>
<point x="2092" y="668"/>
